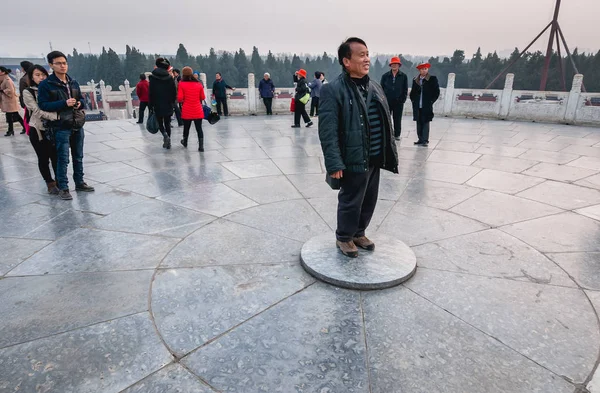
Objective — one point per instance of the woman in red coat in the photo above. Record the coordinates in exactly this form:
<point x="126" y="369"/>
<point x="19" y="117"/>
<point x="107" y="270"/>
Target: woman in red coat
<point x="191" y="94"/>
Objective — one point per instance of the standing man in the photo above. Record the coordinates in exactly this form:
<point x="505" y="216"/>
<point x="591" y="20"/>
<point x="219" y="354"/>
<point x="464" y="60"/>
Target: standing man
<point x="219" y="93"/>
<point x="266" y="91"/>
<point x="356" y="137"/>
<point x="395" y="86"/>
<point x="141" y="89"/>
<point x="175" y="73"/>
<point x="424" y="93"/>
<point x="315" y="93"/>
<point x="59" y="93"/>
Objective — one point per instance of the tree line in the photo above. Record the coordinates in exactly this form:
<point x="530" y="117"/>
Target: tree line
<point x="475" y="72"/>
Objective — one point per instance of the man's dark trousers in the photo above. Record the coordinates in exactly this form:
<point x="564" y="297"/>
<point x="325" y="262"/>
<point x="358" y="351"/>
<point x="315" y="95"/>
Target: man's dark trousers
<point x="222" y="101"/>
<point x="423" y="127"/>
<point x="268" y="104"/>
<point x="177" y="111"/>
<point x="143" y="106"/>
<point x="314" y="106"/>
<point x="396" y="109"/>
<point x="356" y="202"/>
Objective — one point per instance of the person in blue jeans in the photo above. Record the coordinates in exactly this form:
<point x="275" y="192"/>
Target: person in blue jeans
<point x="60" y="93"/>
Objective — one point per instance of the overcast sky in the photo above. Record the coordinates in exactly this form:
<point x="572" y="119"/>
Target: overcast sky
<point x="430" y="27"/>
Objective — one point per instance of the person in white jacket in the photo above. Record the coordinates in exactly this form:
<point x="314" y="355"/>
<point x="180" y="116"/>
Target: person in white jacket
<point x="43" y="147"/>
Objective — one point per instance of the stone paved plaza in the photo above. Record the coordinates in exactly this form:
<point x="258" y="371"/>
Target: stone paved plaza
<point x="181" y="273"/>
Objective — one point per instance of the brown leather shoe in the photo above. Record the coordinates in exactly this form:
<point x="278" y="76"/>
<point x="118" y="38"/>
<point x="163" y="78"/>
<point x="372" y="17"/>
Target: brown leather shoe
<point x="347" y="248"/>
<point x="364" y="242"/>
<point x="52" y="189"/>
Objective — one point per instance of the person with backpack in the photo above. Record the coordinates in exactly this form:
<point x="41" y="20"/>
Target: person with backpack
<point x="161" y="98"/>
<point x="45" y="151"/>
<point x="191" y="94"/>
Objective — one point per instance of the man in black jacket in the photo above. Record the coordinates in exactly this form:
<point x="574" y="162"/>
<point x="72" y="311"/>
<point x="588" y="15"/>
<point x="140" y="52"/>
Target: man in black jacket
<point x="356" y="138"/>
<point x="424" y="93"/>
<point x="219" y="93"/>
<point x="395" y="86"/>
<point x="59" y="93"/>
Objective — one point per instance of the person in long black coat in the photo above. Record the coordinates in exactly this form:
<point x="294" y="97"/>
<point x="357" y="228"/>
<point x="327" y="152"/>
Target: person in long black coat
<point x="161" y="96"/>
<point x="424" y="93"/>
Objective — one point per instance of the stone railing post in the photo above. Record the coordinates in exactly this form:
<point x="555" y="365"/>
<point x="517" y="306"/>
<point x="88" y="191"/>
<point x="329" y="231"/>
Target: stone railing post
<point x="506" y="101"/>
<point x="103" y="96"/>
<point x="449" y="96"/>
<point x="128" y="99"/>
<point x="251" y="95"/>
<point x="205" y="84"/>
<point x="573" y="100"/>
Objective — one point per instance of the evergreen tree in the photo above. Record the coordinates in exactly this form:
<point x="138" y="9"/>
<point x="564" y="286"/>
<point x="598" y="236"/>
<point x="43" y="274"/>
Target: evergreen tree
<point x="182" y="58"/>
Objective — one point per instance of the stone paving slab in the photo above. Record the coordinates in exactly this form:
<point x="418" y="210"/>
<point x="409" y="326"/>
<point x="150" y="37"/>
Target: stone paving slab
<point x="181" y="253"/>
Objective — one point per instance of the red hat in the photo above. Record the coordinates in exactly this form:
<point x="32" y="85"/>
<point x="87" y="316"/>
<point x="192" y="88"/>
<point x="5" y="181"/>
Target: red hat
<point x="423" y="65"/>
<point x="302" y="73"/>
<point x="395" y="60"/>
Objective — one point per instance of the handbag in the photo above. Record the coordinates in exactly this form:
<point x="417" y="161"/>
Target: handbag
<point x="213" y="118"/>
<point x="78" y="118"/>
<point x="207" y="110"/>
<point x="293" y="105"/>
<point x="152" y="124"/>
<point x="305" y="98"/>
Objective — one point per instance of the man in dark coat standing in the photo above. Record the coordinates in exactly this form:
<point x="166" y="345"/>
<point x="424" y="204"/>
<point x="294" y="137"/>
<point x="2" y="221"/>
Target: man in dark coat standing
<point x="355" y="130"/>
<point x="219" y="93"/>
<point x="424" y="93"/>
<point x="395" y="85"/>
<point x="161" y="96"/>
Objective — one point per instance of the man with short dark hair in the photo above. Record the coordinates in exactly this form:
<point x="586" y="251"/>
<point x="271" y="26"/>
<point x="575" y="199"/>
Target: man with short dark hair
<point x="59" y="93"/>
<point x="176" y="105"/>
<point x="219" y="93"/>
<point x="356" y="138"/>
<point x="395" y="85"/>
<point x="315" y="93"/>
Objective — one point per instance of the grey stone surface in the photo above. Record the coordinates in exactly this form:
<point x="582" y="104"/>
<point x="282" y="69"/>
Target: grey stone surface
<point x="44" y="305"/>
<point x="491" y="253"/>
<point x="565" y="196"/>
<point x="107" y="357"/>
<point x="501" y="163"/>
<point x="15" y="251"/>
<point x="227" y="243"/>
<point x="509" y="183"/>
<point x="86" y="250"/>
<point x="390" y="264"/>
<point x="182" y="215"/>
<point x="252" y="168"/>
<point x="301" y="222"/>
<point x="172" y="379"/>
<point x="527" y="317"/>
<point x="495" y="208"/>
<point x="416" y="346"/>
<point x="582" y="266"/>
<point x="193" y="306"/>
<point x="214" y="199"/>
<point x="266" y="189"/>
<point x="416" y="224"/>
<point x="155" y="218"/>
<point x="559" y="172"/>
<point x="312" y="342"/>
<point x="566" y="232"/>
<point x="437" y="194"/>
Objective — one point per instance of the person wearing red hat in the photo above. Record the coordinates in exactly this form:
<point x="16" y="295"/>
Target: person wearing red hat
<point x="355" y="130"/>
<point x="301" y="91"/>
<point x="395" y="85"/>
<point x="424" y="93"/>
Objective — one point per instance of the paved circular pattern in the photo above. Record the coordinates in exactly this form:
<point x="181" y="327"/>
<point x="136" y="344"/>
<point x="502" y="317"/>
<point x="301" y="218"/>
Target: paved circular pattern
<point x="392" y="263"/>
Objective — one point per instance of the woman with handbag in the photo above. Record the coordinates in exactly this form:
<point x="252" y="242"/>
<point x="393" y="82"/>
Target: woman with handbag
<point x="191" y="94"/>
<point x="9" y="102"/>
<point x="300" y="99"/>
<point x="45" y="151"/>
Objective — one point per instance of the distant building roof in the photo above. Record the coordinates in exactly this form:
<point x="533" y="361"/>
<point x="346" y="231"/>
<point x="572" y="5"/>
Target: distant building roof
<point x="15" y="61"/>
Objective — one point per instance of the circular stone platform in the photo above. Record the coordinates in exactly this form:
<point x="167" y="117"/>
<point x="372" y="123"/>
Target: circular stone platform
<point x="392" y="263"/>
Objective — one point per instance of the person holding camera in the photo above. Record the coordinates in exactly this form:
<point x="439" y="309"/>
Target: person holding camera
<point x="60" y="93"/>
